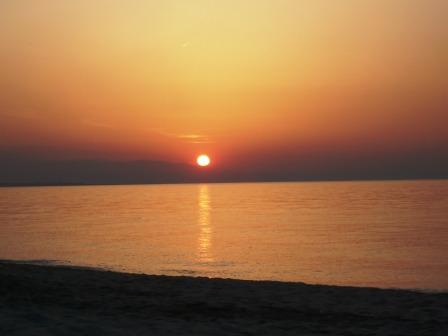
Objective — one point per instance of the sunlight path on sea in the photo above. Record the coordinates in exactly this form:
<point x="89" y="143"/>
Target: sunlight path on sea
<point x="204" y="254"/>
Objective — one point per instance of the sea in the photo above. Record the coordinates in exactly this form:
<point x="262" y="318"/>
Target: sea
<point x="388" y="234"/>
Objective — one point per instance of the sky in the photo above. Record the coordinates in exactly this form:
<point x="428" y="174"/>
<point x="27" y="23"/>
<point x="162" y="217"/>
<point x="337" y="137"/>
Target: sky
<point x="257" y="84"/>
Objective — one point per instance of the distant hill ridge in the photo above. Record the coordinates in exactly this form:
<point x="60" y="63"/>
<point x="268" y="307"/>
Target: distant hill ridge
<point x="23" y="172"/>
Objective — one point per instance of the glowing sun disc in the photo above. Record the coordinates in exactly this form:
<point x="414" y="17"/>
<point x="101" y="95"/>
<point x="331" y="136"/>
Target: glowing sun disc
<point x="203" y="160"/>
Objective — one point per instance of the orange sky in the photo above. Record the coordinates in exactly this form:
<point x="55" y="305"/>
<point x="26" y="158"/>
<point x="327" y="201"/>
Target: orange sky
<point x="239" y="79"/>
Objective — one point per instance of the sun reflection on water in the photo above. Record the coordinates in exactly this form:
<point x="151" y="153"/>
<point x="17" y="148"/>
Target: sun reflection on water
<point x="205" y="229"/>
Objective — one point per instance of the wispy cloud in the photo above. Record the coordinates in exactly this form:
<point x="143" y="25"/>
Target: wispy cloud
<point x="191" y="138"/>
<point x="194" y="138"/>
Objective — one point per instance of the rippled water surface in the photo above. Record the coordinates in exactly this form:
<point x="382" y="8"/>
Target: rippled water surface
<point x="387" y="234"/>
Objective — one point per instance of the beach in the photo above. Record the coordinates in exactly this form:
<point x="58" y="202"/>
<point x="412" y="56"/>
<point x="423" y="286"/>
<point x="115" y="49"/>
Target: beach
<point x="62" y="300"/>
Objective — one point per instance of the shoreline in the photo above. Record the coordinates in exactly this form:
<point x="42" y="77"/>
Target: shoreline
<point x="70" y="300"/>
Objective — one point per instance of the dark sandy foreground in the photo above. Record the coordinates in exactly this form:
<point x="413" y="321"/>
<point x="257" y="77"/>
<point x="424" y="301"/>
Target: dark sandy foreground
<point x="48" y="300"/>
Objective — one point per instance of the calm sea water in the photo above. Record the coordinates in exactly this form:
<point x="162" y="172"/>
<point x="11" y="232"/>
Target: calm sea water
<point x="386" y="234"/>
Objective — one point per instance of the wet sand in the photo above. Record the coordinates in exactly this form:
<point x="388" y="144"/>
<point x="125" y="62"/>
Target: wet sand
<point x="57" y="300"/>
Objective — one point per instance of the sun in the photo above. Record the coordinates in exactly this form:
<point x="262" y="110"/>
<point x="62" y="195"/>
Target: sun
<point x="203" y="160"/>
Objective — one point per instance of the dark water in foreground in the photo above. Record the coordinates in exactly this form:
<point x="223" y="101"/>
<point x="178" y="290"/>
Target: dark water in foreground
<point x="386" y="234"/>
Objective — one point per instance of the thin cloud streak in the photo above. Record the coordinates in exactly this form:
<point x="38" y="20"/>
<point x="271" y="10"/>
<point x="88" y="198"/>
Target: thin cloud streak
<point x="190" y="138"/>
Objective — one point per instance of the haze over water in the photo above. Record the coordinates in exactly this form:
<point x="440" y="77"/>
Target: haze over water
<point x="386" y="234"/>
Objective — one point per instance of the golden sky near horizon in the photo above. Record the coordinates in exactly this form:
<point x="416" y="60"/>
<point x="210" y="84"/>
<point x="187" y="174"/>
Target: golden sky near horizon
<point x="237" y="78"/>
